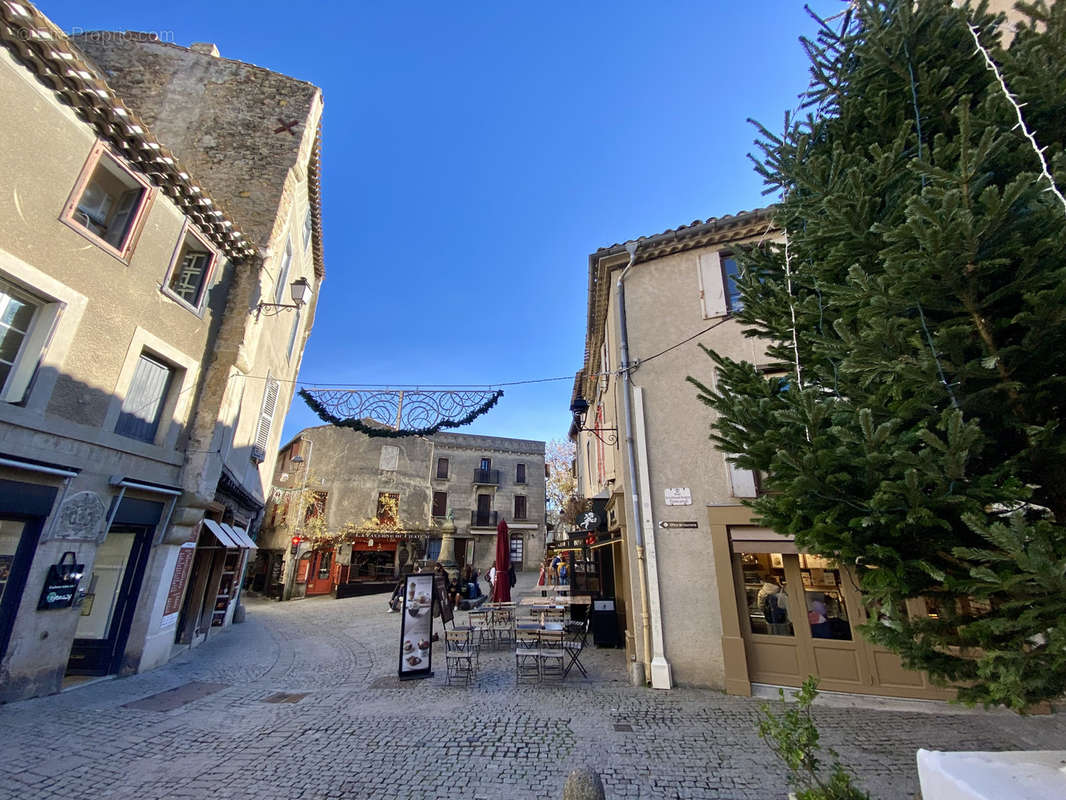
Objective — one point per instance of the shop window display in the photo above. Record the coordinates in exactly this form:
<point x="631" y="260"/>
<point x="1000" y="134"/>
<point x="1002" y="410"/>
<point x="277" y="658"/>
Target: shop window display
<point x="767" y="598"/>
<point x="827" y="613"/>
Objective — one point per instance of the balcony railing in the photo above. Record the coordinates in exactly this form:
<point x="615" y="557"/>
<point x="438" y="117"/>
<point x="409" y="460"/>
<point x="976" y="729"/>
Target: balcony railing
<point x="487" y="477"/>
<point x="484" y="519"/>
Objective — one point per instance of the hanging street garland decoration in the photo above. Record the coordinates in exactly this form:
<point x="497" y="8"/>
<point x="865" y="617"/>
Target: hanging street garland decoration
<point x="395" y="413"/>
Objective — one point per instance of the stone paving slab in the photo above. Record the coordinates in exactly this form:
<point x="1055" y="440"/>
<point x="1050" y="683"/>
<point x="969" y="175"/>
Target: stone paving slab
<point x="357" y="732"/>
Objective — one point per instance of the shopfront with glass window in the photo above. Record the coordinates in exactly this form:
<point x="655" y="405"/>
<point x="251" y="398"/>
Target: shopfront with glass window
<point x="797" y="614"/>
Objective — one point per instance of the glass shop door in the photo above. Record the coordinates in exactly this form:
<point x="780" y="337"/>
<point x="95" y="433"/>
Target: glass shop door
<point x="107" y="611"/>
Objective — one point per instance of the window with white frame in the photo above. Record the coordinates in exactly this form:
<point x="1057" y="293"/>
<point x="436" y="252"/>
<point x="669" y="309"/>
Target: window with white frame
<point x="191" y="271"/>
<point x="283" y="273"/>
<point x="108" y="202"/>
<point x="142" y="409"/>
<point x="26" y="323"/>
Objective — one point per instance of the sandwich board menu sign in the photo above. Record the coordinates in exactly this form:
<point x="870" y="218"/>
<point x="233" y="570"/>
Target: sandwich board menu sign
<point x="416" y="628"/>
<point x="444" y="602"/>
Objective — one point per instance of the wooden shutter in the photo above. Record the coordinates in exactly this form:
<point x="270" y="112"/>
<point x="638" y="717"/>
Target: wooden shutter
<point x="266" y="419"/>
<point x="440" y="504"/>
<point x="519" y="507"/>
<point x="743" y="480"/>
<point x="283" y="274"/>
<point x="712" y="287"/>
<point x="143" y="405"/>
<point x="292" y="334"/>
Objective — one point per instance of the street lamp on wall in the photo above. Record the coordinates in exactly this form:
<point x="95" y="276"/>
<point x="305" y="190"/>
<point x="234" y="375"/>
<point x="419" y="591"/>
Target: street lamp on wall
<point x="300" y="290"/>
<point x="580" y="409"/>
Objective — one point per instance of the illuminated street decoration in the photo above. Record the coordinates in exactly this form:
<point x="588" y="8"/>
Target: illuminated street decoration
<point x="399" y="412"/>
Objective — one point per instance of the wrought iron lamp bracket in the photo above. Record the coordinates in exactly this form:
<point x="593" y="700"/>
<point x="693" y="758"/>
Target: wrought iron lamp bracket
<point x="580" y="409"/>
<point x="273" y="309"/>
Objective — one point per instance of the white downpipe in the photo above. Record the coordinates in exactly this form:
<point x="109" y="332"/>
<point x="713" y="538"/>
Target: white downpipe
<point x="660" y="667"/>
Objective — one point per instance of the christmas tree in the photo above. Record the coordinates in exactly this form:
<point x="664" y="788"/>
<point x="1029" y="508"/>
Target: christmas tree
<point x="914" y="429"/>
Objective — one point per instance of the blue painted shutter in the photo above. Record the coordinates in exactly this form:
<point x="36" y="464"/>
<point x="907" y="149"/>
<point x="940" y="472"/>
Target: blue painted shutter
<point x="143" y="405"/>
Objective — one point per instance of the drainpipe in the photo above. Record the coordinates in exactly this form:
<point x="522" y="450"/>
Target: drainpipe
<point x="653" y="668"/>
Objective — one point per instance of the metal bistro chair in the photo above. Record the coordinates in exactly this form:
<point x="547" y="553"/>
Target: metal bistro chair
<point x="551" y="656"/>
<point x="577" y="634"/>
<point x="481" y="622"/>
<point x="460" y="655"/>
<point x="502" y="621"/>
<point x="526" y="652"/>
<point x="554" y="614"/>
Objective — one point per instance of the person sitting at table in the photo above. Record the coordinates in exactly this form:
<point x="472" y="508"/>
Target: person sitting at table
<point x="456" y="590"/>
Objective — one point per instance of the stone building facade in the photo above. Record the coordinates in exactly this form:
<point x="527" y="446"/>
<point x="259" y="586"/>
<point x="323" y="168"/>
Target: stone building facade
<point x="143" y="380"/>
<point x="693" y="572"/>
<point x="367" y="508"/>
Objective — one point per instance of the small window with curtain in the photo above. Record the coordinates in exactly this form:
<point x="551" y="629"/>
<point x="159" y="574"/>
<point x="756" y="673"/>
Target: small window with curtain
<point x="108" y="202"/>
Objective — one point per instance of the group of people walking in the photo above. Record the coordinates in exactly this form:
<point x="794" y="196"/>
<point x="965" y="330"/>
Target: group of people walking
<point x="464" y="586"/>
<point x="554" y="572"/>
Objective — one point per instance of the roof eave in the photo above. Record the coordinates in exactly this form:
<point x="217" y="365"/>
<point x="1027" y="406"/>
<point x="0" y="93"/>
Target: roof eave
<point x="46" y="51"/>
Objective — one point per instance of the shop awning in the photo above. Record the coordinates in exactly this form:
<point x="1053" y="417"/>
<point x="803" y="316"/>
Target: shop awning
<point x="753" y="539"/>
<point x="238" y="535"/>
<point x="221" y="534"/>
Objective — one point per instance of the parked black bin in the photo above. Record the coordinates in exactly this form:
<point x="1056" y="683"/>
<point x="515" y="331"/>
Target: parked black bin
<point x="604" y="624"/>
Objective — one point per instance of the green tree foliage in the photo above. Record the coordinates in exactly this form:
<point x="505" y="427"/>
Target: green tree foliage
<point x="794" y="738"/>
<point x="922" y="436"/>
<point x="561" y="485"/>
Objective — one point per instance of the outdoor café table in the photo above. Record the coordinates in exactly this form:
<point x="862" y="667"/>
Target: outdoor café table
<point x="576" y="600"/>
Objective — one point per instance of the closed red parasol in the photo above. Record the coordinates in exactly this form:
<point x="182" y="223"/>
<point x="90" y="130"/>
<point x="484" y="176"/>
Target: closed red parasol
<point x="501" y="593"/>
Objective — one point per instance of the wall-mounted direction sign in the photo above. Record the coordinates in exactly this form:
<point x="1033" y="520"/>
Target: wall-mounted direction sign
<point x="671" y="524"/>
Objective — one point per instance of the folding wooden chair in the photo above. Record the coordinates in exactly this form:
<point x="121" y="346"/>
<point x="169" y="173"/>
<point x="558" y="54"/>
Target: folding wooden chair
<point x="551" y="656"/>
<point x="577" y="634"/>
<point x="502" y="621"/>
<point x="481" y="622"/>
<point x="526" y="652"/>
<point x="460" y="655"/>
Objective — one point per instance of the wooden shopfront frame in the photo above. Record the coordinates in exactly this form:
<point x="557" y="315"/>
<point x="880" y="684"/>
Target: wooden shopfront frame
<point x="854" y="665"/>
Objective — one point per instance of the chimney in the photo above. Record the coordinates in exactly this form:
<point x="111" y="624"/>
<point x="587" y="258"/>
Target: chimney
<point x="207" y="48"/>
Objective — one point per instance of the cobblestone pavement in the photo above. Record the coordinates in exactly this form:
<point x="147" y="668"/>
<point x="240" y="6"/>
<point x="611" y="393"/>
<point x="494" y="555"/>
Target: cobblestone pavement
<point x="360" y="733"/>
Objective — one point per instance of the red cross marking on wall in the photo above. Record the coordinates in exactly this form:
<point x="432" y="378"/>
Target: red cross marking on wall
<point x="286" y="126"/>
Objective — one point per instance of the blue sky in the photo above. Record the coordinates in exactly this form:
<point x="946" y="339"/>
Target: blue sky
<point x="475" y="153"/>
